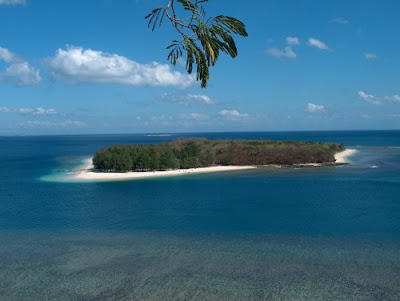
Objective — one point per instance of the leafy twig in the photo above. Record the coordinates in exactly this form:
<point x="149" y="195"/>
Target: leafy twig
<point x="202" y="39"/>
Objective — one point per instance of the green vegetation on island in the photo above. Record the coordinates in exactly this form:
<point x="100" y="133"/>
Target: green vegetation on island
<point x="194" y="153"/>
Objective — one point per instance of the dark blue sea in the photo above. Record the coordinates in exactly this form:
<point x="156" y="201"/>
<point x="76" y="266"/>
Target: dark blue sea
<point x="329" y="233"/>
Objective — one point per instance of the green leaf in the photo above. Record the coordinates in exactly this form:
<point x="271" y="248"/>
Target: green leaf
<point x="202" y="39"/>
<point x="154" y="17"/>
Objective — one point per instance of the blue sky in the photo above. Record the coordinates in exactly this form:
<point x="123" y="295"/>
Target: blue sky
<point x="71" y="67"/>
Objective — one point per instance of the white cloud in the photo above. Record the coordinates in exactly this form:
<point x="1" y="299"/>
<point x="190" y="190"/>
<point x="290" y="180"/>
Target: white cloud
<point x="187" y="99"/>
<point x="201" y="98"/>
<point x="194" y="116"/>
<point x="370" y="56"/>
<point x="54" y="124"/>
<point x="292" y="41"/>
<point x="339" y="20"/>
<point x="32" y="111"/>
<point x="12" y="2"/>
<point x="368" y="98"/>
<point x="181" y="62"/>
<point x="19" y="72"/>
<point x="317" y="43"/>
<point x="395" y="97"/>
<point x="288" y="51"/>
<point x="232" y="114"/>
<point x="275" y="52"/>
<point x="378" y="100"/>
<point x="9" y="57"/>
<point x="37" y="111"/>
<point x="312" y="108"/>
<point x="75" y="65"/>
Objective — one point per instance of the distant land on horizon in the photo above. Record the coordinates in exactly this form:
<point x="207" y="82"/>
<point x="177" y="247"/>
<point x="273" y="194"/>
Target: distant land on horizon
<point x="169" y="134"/>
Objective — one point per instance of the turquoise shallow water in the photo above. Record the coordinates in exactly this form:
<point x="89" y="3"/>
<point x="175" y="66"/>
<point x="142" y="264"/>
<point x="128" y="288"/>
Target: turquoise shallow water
<point x="305" y="234"/>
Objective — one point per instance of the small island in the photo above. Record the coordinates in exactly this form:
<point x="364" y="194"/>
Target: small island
<point x="197" y="153"/>
<point x="186" y="156"/>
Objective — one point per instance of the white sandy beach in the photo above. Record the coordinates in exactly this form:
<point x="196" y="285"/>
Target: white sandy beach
<point x="342" y="156"/>
<point x="88" y="173"/>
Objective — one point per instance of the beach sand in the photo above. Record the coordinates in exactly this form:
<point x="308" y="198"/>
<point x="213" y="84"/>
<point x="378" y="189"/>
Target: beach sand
<point x="341" y="157"/>
<point x="88" y="172"/>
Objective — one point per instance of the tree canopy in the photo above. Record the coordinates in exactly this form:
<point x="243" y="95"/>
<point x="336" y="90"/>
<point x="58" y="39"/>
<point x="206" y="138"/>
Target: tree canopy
<point x="193" y="153"/>
<point x="202" y="38"/>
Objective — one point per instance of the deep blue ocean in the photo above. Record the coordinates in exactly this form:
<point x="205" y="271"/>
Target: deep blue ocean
<point x="329" y="233"/>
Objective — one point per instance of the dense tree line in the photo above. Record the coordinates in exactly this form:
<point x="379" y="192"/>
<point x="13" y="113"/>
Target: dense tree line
<point x="193" y="153"/>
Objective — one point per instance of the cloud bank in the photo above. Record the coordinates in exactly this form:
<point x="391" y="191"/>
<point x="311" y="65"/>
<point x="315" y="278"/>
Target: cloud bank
<point x="77" y="65"/>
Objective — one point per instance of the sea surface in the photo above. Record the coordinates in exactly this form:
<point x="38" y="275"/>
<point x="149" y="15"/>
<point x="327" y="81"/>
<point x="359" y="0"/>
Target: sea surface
<point x="329" y="233"/>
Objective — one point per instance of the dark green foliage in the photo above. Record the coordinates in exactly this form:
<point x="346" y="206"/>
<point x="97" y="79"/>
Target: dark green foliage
<point x="206" y="158"/>
<point x="168" y="160"/>
<point x="123" y="161"/>
<point x="192" y="153"/>
<point x="143" y="160"/>
<point x="201" y="38"/>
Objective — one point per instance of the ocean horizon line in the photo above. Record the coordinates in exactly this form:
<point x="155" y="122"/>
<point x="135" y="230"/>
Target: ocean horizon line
<point x="169" y="134"/>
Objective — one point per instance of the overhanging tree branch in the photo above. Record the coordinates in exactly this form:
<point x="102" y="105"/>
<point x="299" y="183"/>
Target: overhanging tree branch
<point x="202" y="39"/>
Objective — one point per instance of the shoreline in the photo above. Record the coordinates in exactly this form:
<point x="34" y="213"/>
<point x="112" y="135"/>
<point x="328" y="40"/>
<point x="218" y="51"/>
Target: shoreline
<point x="88" y="173"/>
<point x="341" y="158"/>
